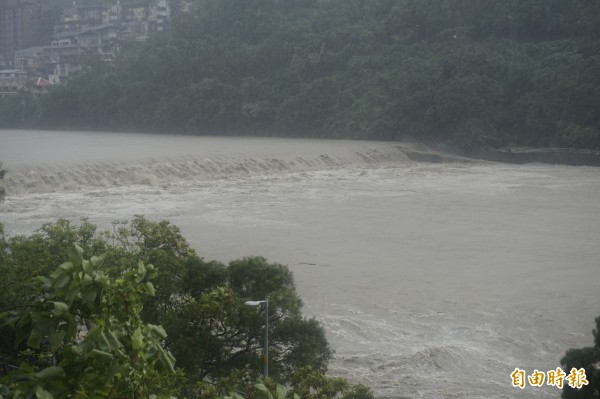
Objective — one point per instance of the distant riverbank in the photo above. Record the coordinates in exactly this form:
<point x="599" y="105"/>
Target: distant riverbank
<point x="564" y="156"/>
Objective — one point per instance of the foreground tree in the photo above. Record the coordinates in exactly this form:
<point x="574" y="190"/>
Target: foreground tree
<point x="215" y="337"/>
<point x="201" y="305"/>
<point x="83" y="336"/>
<point x="207" y="312"/>
<point x="588" y="359"/>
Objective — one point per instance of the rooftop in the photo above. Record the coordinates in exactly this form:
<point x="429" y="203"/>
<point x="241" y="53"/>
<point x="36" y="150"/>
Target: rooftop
<point x="31" y="49"/>
<point x="84" y="30"/>
<point x="7" y="71"/>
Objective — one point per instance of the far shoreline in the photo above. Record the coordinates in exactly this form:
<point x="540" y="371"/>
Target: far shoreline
<point x="561" y="156"/>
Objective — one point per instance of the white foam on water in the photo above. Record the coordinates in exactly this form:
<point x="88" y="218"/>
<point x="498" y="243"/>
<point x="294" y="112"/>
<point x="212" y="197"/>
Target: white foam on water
<point x="39" y="162"/>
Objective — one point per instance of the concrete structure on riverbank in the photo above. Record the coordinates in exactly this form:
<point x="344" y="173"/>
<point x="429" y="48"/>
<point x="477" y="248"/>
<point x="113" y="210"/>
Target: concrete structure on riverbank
<point x="564" y="156"/>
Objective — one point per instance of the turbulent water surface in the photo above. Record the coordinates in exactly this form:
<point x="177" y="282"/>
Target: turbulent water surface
<point x="432" y="280"/>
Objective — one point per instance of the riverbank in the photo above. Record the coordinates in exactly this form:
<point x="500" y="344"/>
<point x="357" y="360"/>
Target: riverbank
<point x="563" y="156"/>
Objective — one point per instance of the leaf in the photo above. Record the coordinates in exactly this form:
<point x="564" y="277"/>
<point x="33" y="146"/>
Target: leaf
<point x="87" y="280"/>
<point x="22" y="328"/>
<point x="87" y="266"/>
<point x="103" y="342"/>
<point x="97" y="353"/>
<point x="56" y="339"/>
<point x="113" y="340"/>
<point x="75" y="349"/>
<point x="66" y="266"/>
<point x="62" y="281"/>
<point x="137" y="340"/>
<point x="60" y="308"/>
<point x="263" y="388"/>
<point x="61" y="270"/>
<point x="166" y="359"/>
<point x="45" y="282"/>
<point x="34" y="338"/>
<point x="72" y="293"/>
<point x="9" y="318"/>
<point x="89" y="297"/>
<point x="93" y="334"/>
<point x="41" y="393"/>
<point x="281" y="392"/>
<point x="141" y="272"/>
<point x="157" y="330"/>
<point x="75" y="255"/>
<point x="27" y="368"/>
<point x="97" y="261"/>
<point x="50" y="373"/>
<point x="150" y="288"/>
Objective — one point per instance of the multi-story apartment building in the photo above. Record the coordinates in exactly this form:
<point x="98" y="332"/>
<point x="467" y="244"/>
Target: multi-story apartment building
<point x="21" y="26"/>
<point x="80" y="32"/>
<point x="76" y="18"/>
<point x="66" y="54"/>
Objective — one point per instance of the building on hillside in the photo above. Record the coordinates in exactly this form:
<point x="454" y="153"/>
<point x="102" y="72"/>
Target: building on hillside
<point x="82" y="31"/>
<point x="13" y="73"/>
<point x="136" y="20"/>
<point x="75" y="18"/>
<point x="5" y="61"/>
<point x="30" y="59"/>
<point x="14" y="80"/>
<point x="159" y="16"/>
<point x="66" y="54"/>
<point x="11" y="86"/>
<point x="21" y="26"/>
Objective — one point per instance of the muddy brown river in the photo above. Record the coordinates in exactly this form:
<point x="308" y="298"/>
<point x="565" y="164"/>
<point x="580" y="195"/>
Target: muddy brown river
<point x="432" y="280"/>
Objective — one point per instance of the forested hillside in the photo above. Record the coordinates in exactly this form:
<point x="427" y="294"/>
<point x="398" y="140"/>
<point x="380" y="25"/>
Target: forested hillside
<point x="470" y="73"/>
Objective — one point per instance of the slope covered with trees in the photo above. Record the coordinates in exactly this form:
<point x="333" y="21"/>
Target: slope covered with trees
<point x="468" y="72"/>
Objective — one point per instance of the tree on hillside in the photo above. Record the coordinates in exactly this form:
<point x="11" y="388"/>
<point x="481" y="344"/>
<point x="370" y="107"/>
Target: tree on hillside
<point x="589" y="359"/>
<point x="2" y="173"/>
<point x="471" y="73"/>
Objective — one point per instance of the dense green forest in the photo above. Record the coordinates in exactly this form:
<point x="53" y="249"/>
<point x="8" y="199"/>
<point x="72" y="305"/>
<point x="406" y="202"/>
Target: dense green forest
<point x="469" y="73"/>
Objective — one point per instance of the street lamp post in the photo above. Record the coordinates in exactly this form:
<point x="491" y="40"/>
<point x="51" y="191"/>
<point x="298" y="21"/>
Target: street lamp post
<point x="266" y="343"/>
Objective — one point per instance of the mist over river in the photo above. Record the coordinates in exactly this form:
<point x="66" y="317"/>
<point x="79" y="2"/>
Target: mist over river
<point x="433" y="280"/>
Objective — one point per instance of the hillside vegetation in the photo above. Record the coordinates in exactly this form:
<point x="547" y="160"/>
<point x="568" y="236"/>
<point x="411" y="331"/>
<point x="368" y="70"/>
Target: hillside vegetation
<point x="471" y="73"/>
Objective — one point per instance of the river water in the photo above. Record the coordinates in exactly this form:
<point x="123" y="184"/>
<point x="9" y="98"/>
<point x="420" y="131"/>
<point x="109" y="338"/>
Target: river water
<point x="433" y="280"/>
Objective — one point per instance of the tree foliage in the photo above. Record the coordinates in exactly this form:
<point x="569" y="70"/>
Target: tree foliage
<point x="588" y="359"/>
<point x="83" y="336"/>
<point x="2" y="190"/>
<point x="107" y="312"/>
